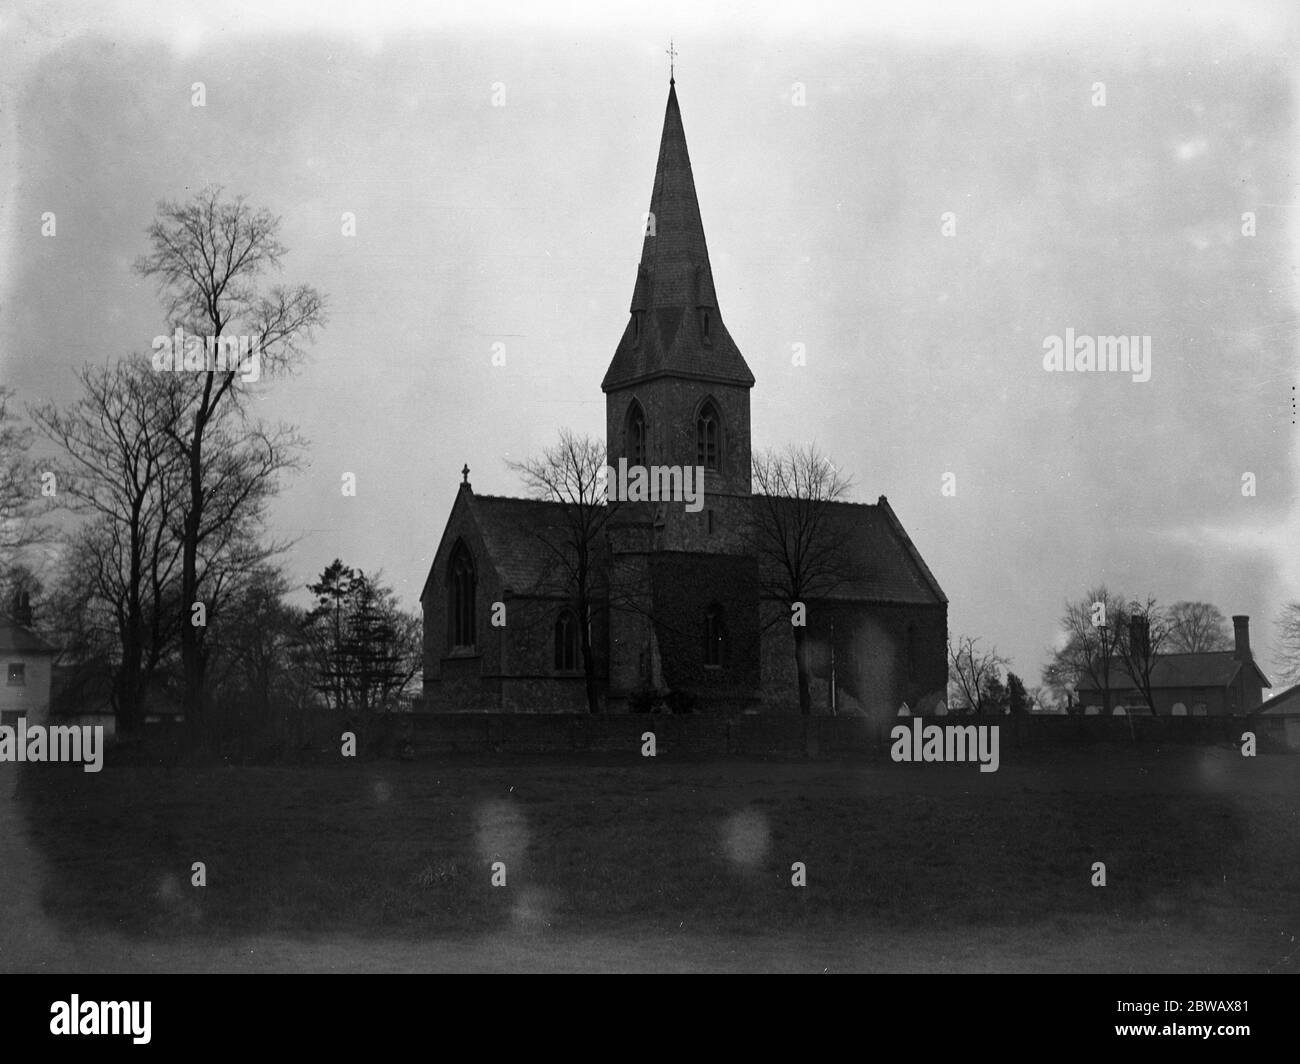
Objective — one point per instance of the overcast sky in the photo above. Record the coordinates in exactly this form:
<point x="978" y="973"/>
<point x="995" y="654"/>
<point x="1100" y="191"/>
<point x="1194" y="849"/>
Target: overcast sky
<point x="520" y="224"/>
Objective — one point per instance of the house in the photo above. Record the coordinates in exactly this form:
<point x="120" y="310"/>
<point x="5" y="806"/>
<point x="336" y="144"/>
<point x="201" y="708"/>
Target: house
<point x="1281" y="715"/>
<point x="1282" y="705"/>
<point x="1214" y="683"/>
<point x="25" y="665"/>
<point x="679" y="608"/>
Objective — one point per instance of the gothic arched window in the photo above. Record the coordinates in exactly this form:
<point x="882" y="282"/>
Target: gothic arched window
<point x="636" y="435"/>
<point x="708" y="436"/>
<point x="568" y="650"/>
<point x="461" y="586"/>
<point x="715" y="637"/>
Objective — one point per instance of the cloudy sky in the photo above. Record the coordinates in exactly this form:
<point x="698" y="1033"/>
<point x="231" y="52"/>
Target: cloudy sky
<point x="520" y="225"/>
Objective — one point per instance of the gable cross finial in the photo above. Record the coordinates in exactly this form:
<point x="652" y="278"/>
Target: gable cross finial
<point x="464" y="473"/>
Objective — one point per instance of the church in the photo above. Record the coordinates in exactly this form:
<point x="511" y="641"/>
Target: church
<point x="680" y="611"/>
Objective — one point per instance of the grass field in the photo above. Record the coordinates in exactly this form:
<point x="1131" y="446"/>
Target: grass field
<point x="673" y="866"/>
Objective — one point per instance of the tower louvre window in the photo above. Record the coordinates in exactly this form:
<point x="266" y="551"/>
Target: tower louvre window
<point x="708" y="431"/>
<point x="635" y="444"/>
<point x="705" y="325"/>
<point x="636" y="326"/>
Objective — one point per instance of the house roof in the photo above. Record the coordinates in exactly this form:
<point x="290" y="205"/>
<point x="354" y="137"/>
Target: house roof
<point x="674" y="279"/>
<point x="16" y="639"/>
<point x="1216" y="668"/>
<point x="1287" y="701"/>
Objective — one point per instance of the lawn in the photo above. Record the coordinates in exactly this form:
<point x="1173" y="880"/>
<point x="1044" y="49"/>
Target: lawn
<point x="608" y="863"/>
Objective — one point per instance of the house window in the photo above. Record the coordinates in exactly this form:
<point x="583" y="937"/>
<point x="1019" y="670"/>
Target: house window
<point x="1198" y="710"/>
<point x="17" y="674"/>
<point x="567" y="650"/>
<point x="715" y="637"/>
<point x="636" y="444"/>
<point x="461" y="631"/>
<point x="707" y="433"/>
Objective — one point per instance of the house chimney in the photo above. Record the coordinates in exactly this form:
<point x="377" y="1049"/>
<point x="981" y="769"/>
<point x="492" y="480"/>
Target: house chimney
<point x="1241" y="631"/>
<point x="1139" y="637"/>
<point x="23" y="608"/>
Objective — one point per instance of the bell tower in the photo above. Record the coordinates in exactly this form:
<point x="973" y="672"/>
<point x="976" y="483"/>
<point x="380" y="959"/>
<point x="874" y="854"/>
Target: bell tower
<point x="677" y="388"/>
<point x="683" y="579"/>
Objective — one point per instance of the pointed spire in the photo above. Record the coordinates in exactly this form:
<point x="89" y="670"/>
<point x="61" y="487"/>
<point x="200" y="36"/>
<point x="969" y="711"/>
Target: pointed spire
<point x="674" y="250"/>
<point x="675" y="281"/>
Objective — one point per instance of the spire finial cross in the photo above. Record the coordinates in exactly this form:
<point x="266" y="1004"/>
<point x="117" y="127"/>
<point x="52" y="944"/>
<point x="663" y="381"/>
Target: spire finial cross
<point x="672" y="56"/>
<point x="465" y="473"/>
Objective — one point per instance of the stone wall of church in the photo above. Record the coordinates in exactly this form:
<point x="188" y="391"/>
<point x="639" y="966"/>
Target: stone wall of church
<point x="530" y="680"/>
<point x="513" y="664"/>
<point x="685" y="588"/>
<point x="884" y="656"/>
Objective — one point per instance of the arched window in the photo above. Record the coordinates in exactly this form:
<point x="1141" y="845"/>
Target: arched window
<point x="461" y="585"/>
<point x="635" y="444"/>
<point x="715" y="637"/>
<point x="708" y="436"/>
<point x="568" y="649"/>
<point x="1179" y="710"/>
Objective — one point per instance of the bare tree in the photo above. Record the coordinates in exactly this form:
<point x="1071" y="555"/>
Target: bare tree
<point x="1288" y="642"/>
<point x="1091" y="634"/>
<point x="208" y="256"/>
<point x="1142" y="629"/>
<point x="970" y="672"/>
<point x="571" y="473"/>
<point x="117" y="470"/>
<point x="1197" y="627"/>
<point x="800" y="557"/>
<point x="19" y="484"/>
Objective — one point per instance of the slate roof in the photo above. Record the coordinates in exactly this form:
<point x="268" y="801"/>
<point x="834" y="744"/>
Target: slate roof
<point x="15" y="639"/>
<point x="516" y="533"/>
<point x="1287" y="701"/>
<point x="1216" y="668"/>
<point x="673" y="280"/>
<point x="888" y="567"/>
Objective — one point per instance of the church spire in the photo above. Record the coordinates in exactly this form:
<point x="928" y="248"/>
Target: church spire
<point x="675" y="326"/>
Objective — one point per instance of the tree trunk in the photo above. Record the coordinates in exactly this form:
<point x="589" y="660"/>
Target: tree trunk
<point x="191" y="663"/>
<point x="589" y="664"/>
<point x="801" y="666"/>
